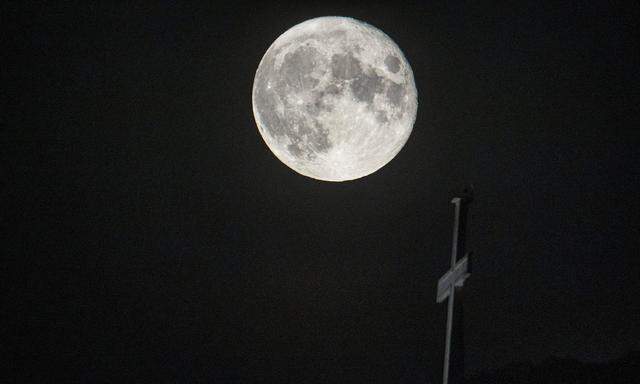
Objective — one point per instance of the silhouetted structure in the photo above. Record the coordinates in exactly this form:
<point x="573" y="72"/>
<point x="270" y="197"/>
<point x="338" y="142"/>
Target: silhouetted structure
<point x="449" y="286"/>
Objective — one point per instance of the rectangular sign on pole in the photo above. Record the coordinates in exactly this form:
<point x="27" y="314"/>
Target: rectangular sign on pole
<point x="454" y="277"/>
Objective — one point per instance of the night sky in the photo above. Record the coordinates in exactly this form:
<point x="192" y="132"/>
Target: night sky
<point x="150" y="234"/>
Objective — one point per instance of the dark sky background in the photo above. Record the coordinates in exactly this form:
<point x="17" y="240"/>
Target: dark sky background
<point x="151" y="234"/>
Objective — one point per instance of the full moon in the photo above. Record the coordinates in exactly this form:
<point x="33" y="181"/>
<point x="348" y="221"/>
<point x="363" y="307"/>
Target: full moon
<point x="334" y="98"/>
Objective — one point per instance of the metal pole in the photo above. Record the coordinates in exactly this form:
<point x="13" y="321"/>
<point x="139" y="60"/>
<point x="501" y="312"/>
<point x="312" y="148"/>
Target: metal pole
<point x="456" y="230"/>
<point x="447" y="347"/>
<point x="454" y="255"/>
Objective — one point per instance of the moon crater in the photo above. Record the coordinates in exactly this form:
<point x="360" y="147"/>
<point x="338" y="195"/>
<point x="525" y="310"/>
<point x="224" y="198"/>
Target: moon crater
<point x="334" y="98"/>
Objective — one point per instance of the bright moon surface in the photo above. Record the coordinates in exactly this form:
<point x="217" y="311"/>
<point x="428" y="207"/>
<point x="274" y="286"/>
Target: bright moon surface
<point x="334" y="98"/>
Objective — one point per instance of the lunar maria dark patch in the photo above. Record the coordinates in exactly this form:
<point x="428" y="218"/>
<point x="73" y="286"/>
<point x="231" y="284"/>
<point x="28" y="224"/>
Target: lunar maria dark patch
<point x="298" y="66"/>
<point x="392" y="63"/>
<point x="345" y="66"/>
